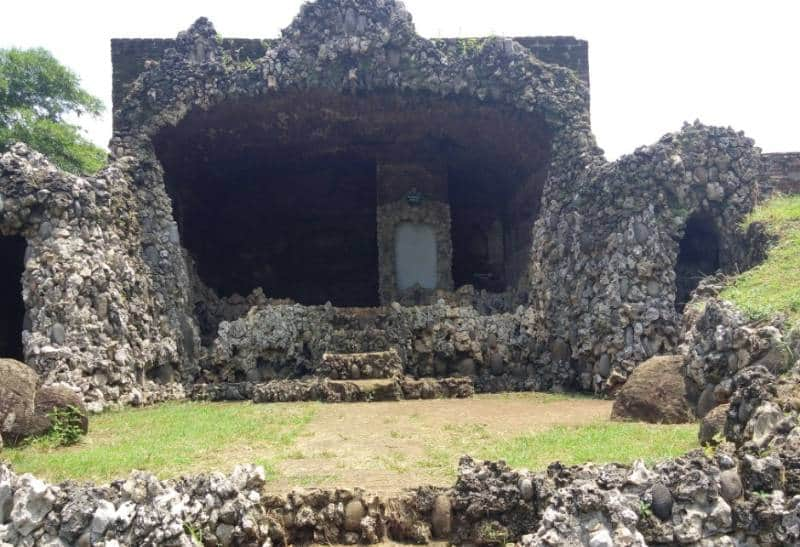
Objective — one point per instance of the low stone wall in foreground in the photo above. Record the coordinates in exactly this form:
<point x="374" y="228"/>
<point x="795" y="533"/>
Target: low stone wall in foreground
<point x="745" y="492"/>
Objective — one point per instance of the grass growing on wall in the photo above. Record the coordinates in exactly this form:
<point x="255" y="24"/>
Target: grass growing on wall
<point x="774" y="285"/>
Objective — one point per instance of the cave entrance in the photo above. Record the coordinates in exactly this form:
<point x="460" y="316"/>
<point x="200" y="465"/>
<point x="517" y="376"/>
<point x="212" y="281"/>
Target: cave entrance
<point x="493" y="207"/>
<point x="698" y="256"/>
<point x="12" y="265"/>
<point x="254" y="211"/>
<point x="302" y="194"/>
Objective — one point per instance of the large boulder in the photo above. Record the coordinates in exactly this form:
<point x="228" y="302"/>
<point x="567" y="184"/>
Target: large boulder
<point x="17" y="396"/>
<point x="655" y="393"/>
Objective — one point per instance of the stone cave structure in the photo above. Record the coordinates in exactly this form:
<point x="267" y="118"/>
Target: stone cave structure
<point x="352" y="201"/>
<point x="353" y="187"/>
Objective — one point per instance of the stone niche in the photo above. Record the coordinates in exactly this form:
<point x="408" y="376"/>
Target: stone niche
<point x="415" y="260"/>
<point x="698" y="256"/>
<point x="304" y="195"/>
<point x="414" y="238"/>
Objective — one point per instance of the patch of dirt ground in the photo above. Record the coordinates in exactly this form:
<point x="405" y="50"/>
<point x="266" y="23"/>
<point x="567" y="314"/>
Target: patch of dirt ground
<point x="385" y="447"/>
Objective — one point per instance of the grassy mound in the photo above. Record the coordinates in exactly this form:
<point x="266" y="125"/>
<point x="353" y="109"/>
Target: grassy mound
<point x="773" y="286"/>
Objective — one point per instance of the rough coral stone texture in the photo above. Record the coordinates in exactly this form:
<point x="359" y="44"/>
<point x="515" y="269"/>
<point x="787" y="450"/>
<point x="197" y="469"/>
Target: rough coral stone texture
<point x="719" y="340"/>
<point x="355" y="366"/>
<point x="655" y="393"/>
<point x="712" y="426"/>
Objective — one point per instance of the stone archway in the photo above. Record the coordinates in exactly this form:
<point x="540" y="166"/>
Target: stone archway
<point x="698" y="256"/>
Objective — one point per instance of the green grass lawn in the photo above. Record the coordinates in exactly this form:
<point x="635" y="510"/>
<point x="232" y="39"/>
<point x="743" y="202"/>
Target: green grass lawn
<point x="173" y="439"/>
<point x="600" y="442"/>
<point x="169" y="440"/>
<point x="773" y="286"/>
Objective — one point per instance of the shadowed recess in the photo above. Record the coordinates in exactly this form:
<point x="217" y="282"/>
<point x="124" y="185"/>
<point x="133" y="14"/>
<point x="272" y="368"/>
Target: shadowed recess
<point x="12" y="258"/>
<point x="698" y="256"/>
<point x="282" y="192"/>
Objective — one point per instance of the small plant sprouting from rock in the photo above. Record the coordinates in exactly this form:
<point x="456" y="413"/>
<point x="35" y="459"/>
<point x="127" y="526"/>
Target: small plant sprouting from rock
<point x="195" y="533"/>
<point x="645" y="510"/>
<point x="710" y="450"/>
<point x="471" y="46"/>
<point x="66" y="426"/>
<point x="493" y="533"/>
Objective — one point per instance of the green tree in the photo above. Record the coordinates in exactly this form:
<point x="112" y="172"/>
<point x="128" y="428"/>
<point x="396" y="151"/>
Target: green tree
<point x="36" y="94"/>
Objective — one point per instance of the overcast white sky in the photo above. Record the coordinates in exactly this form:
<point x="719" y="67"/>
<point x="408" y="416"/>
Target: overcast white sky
<point x="653" y="64"/>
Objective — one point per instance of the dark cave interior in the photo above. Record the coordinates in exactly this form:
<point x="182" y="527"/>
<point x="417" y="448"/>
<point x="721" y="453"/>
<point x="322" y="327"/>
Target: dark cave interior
<point x="280" y="192"/>
<point x="698" y="256"/>
<point x="12" y="255"/>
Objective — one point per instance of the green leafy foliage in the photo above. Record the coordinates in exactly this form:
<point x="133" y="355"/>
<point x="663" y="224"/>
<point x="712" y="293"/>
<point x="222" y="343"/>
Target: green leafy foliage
<point x="36" y="94"/>
<point x="66" y="429"/>
<point x="492" y="533"/>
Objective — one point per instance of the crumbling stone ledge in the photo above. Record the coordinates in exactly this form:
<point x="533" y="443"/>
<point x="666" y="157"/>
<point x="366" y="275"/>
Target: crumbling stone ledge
<point x="719" y="340"/>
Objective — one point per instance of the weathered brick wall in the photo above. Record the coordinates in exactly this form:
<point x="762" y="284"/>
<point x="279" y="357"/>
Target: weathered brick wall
<point x="565" y="51"/>
<point x="783" y="172"/>
<point x="129" y="54"/>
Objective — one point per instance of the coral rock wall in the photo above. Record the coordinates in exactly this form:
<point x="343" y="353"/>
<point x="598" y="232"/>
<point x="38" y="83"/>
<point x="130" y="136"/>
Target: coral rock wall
<point x="607" y="242"/>
<point x="90" y="311"/>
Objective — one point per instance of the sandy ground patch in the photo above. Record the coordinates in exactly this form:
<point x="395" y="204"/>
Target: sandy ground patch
<point x="384" y="447"/>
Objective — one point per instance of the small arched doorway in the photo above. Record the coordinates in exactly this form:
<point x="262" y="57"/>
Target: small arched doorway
<point x="698" y="256"/>
<point x="12" y="308"/>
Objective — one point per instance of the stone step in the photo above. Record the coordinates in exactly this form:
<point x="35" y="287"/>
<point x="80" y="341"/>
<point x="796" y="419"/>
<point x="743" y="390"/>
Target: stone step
<point x="437" y="388"/>
<point x="328" y="391"/>
<point x="360" y="366"/>
<point x="358" y="340"/>
<point x="338" y="391"/>
<point x="363" y="391"/>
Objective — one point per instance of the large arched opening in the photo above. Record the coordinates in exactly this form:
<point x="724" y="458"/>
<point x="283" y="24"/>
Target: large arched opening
<point x="287" y="192"/>
<point x="698" y="256"/>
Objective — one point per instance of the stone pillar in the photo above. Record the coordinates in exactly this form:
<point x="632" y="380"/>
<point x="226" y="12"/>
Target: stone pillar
<point x="415" y="249"/>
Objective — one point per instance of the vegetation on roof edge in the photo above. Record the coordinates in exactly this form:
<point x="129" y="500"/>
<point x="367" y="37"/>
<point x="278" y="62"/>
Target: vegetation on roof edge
<point x="773" y="286"/>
